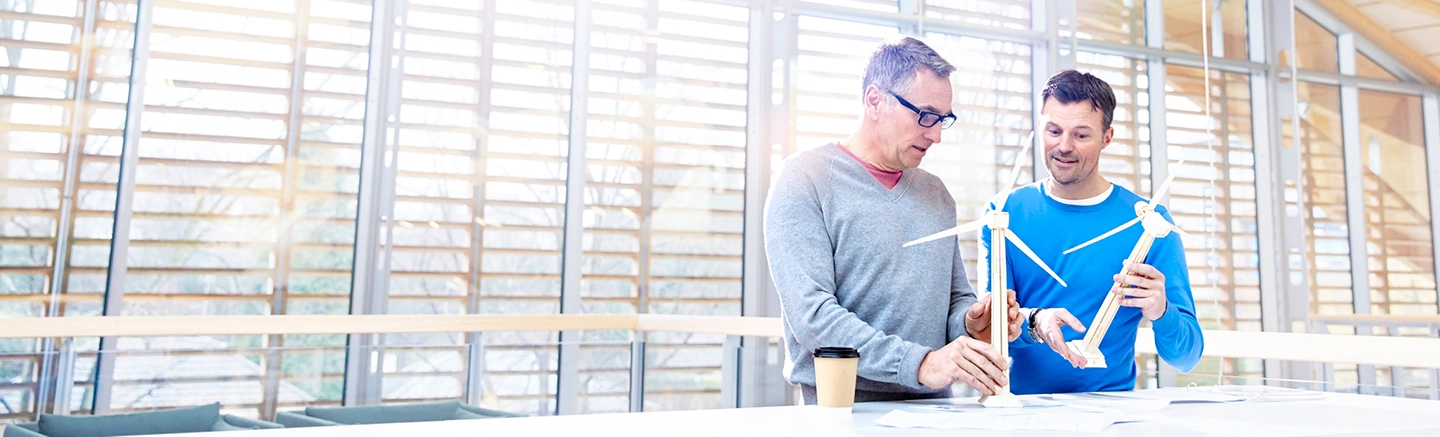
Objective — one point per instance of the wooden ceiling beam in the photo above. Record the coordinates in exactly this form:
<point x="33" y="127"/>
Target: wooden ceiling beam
<point x="1366" y="28"/>
<point x="1427" y="7"/>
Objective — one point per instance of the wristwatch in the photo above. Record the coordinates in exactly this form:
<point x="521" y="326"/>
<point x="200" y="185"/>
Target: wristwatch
<point x="1034" y="330"/>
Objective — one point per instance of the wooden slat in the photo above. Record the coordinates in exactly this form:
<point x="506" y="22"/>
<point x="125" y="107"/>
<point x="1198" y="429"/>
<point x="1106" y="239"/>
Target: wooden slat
<point x="1376" y="318"/>
<point x="1317" y="348"/>
<point x="755" y="326"/>
<point x="166" y="326"/>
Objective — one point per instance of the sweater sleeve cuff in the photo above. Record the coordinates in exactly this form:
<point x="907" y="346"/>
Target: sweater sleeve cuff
<point x="1024" y="339"/>
<point x="910" y="365"/>
<point x="1168" y="322"/>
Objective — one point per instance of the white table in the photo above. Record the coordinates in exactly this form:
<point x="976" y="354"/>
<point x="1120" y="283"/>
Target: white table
<point x="1335" y="414"/>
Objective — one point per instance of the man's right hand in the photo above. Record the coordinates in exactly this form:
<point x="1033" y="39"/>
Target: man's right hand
<point x="1048" y="322"/>
<point x="967" y="360"/>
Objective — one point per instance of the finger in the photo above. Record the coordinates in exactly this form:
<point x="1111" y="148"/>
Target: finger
<point x="989" y="353"/>
<point x="1070" y="320"/>
<point x="1137" y="301"/>
<point x="972" y="374"/>
<point x="1144" y="270"/>
<point x="1075" y="358"/>
<point x="975" y="384"/>
<point x="989" y="363"/>
<point x="1059" y="346"/>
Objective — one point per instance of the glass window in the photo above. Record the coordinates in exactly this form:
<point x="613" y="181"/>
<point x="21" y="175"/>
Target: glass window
<point x="1315" y="47"/>
<point x="1119" y="21"/>
<point x="664" y="203"/>
<point x="1184" y="32"/>
<point x="245" y="195"/>
<point x="1397" y="204"/>
<point x="1010" y="14"/>
<point x="993" y="105"/>
<point x="1397" y="215"/>
<point x="1215" y="192"/>
<point x="1326" y="219"/>
<point x="1366" y="67"/>
<point x="63" y="87"/>
<point x="1126" y="161"/>
<point x="482" y="138"/>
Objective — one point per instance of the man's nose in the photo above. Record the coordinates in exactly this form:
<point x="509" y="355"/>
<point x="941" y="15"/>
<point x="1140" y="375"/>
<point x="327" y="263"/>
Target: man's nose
<point x="1065" y="144"/>
<point x="933" y="133"/>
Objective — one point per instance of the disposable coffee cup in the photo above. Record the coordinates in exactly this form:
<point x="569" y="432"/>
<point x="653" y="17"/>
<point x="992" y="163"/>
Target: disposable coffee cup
<point x="835" y="376"/>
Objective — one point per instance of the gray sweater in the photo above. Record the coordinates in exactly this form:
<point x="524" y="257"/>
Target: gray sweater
<point x="833" y="235"/>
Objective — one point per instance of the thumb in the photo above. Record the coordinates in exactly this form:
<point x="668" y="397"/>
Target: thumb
<point x="978" y="309"/>
<point x="1072" y="322"/>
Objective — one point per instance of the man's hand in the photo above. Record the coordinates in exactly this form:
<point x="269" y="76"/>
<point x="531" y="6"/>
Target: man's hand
<point x="967" y="360"/>
<point x="1048" y="323"/>
<point x="977" y="318"/>
<point x="1148" y="293"/>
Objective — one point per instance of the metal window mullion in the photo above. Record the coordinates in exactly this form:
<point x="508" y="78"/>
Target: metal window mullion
<point x="647" y="204"/>
<point x="124" y="208"/>
<point x="53" y="394"/>
<point x="368" y="215"/>
<point x="572" y="258"/>
<point x="380" y="288"/>
<point x="1268" y="195"/>
<point x="647" y="169"/>
<point x="284" y="241"/>
<point x="1044" y="56"/>
<point x="1364" y="83"/>
<point x="1355" y="198"/>
<point x="475" y="387"/>
<point x="1065" y="12"/>
<point x="754" y="296"/>
<point x="1430" y="113"/>
<point x="1155" y="76"/>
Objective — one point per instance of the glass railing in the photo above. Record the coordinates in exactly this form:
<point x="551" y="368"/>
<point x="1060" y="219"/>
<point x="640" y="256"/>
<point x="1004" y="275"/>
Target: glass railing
<point x="73" y="377"/>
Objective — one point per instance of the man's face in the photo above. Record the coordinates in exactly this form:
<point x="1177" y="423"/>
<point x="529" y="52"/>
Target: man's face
<point x="1073" y="140"/>
<point x="903" y="141"/>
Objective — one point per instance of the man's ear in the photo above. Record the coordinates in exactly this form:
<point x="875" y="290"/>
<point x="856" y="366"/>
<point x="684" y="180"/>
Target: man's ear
<point x="1109" y="135"/>
<point x="874" y="101"/>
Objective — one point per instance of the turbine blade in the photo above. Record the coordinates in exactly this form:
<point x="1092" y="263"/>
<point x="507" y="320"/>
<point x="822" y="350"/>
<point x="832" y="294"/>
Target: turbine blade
<point x="1023" y="248"/>
<point x="968" y="227"/>
<point x="1015" y="172"/>
<point x="1105" y="235"/>
<point x="1177" y="230"/>
<point x="1165" y="187"/>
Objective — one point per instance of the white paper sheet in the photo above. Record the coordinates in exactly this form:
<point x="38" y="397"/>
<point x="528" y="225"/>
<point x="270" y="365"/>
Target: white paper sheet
<point x="1175" y="395"/>
<point x="1128" y="405"/>
<point x="1035" y="416"/>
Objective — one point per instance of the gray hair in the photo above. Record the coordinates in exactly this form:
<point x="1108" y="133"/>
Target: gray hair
<point x="892" y="66"/>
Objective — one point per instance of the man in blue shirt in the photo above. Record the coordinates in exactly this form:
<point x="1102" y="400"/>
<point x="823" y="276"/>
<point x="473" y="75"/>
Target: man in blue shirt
<point x="1072" y="206"/>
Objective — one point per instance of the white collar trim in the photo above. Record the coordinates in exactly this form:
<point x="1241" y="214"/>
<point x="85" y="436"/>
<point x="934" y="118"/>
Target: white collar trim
<point x="1080" y="202"/>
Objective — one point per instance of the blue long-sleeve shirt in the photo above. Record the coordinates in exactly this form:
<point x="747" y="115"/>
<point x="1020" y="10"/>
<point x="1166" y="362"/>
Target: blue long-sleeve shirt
<point x="1049" y="227"/>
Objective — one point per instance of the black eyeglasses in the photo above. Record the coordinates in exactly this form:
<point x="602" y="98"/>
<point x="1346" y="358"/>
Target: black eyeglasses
<point x="927" y="118"/>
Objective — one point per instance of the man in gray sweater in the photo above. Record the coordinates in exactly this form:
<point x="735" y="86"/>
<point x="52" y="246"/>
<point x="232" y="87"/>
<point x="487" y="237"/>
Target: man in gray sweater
<point x="834" y="225"/>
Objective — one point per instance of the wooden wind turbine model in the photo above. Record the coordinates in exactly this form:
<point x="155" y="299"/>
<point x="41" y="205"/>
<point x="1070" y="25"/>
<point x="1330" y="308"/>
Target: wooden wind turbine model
<point x="1155" y="226"/>
<point x="999" y="223"/>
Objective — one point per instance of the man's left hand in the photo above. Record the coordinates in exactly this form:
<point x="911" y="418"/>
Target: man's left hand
<point x="977" y="319"/>
<point x="1143" y="288"/>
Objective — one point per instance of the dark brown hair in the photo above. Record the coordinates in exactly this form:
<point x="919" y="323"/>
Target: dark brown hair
<point x="1070" y="86"/>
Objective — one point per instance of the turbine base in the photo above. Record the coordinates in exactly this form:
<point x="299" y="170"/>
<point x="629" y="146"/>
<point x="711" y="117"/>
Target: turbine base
<point x="1093" y="358"/>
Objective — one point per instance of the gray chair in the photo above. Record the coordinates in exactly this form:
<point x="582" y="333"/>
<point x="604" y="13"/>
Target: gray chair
<point x="371" y="414"/>
<point x="193" y="419"/>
